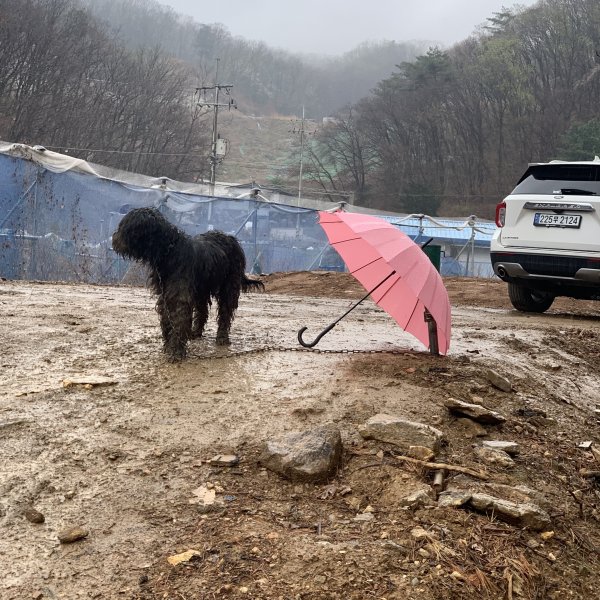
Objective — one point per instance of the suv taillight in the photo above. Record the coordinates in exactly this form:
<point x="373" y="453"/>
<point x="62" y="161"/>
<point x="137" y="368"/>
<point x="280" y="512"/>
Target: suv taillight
<point x="500" y="214"/>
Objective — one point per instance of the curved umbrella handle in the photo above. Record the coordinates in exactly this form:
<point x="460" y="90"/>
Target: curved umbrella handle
<point x="316" y="340"/>
<point x="332" y="325"/>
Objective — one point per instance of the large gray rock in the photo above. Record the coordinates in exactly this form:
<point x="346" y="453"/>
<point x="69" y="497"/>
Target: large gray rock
<point x="520" y="514"/>
<point x="473" y="411"/>
<point x="515" y="493"/>
<point x="401" y="432"/>
<point x="311" y="456"/>
<point x="450" y="499"/>
<point x="498" y="381"/>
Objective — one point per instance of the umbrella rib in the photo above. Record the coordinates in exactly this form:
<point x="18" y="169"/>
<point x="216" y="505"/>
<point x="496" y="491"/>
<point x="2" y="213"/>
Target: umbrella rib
<point x="345" y="240"/>
<point x="369" y="264"/>
<point x="413" y="312"/>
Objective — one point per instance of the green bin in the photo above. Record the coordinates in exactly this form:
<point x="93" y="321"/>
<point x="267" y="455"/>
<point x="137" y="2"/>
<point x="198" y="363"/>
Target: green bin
<point x="434" y="253"/>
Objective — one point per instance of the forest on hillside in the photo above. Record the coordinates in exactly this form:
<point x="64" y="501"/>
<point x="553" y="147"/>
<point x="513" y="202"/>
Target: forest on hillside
<point x="114" y="81"/>
<point x="415" y="129"/>
<point x="451" y="132"/>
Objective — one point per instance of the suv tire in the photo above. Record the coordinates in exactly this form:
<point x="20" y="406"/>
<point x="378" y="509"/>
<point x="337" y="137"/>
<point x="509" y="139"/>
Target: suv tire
<point x="528" y="300"/>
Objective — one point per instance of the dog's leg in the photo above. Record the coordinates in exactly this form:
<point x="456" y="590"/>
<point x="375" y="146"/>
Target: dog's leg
<point x="227" y="298"/>
<point x="201" y="308"/>
<point x="176" y="323"/>
<point x="165" y="323"/>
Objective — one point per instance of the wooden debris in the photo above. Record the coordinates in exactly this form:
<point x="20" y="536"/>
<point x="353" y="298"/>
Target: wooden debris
<point x="436" y="466"/>
<point x="438" y="481"/>
<point x="589" y="473"/>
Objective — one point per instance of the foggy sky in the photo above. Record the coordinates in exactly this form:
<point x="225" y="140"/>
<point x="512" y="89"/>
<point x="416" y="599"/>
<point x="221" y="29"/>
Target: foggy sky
<point x="336" y="26"/>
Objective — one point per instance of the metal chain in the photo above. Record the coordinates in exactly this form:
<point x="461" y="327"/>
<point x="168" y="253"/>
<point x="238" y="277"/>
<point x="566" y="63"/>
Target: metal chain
<point x="275" y="348"/>
<point x="285" y="349"/>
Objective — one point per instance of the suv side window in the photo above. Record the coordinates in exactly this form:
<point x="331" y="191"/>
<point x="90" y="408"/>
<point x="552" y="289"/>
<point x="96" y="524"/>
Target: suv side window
<point x="583" y="180"/>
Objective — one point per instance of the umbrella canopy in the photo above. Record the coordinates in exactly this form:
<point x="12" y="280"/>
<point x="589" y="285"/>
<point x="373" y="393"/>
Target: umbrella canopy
<point x="374" y="250"/>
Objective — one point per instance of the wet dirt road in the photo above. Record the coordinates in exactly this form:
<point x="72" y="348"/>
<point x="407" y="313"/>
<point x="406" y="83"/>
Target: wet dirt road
<point x="97" y="430"/>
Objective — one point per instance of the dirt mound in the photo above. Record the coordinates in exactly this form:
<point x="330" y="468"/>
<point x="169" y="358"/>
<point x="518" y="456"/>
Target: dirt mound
<point x="463" y="291"/>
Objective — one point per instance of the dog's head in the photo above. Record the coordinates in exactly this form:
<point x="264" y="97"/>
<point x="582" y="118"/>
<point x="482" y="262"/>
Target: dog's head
<point x="145" y="235"/>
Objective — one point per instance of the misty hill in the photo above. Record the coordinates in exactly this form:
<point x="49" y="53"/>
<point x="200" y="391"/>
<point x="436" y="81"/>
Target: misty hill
<point x="260" y="149"/>
<point x="447" y="132"/>
<point x="267" y="80"/>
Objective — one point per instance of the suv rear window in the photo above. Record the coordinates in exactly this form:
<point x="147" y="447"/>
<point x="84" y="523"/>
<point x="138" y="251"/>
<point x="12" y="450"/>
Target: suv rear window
<point x="565" y="179"/>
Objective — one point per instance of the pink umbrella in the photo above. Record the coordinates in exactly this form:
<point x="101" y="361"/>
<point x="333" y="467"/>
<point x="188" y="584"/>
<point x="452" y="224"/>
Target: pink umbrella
<point x="397" y="273"/>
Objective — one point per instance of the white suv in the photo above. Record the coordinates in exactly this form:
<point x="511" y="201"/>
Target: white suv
<point x="548" y="239"/>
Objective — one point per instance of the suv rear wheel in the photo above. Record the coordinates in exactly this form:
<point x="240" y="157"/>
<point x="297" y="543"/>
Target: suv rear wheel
<point x="528" y="300"/>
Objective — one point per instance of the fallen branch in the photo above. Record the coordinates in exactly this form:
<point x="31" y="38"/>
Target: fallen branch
<point x="438" y="466"/>
<point x="588" y="473"/>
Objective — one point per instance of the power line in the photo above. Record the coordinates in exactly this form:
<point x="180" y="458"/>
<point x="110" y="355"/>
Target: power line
<point x="66" y="149"/>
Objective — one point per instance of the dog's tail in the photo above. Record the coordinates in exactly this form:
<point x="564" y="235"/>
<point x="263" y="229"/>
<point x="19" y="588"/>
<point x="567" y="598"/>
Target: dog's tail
<point x="252" y="285"/>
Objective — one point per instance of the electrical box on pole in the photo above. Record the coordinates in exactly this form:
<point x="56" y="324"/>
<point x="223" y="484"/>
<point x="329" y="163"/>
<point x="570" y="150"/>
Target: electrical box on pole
<point x="221" y="149"/>
<point x="219" y="146"/>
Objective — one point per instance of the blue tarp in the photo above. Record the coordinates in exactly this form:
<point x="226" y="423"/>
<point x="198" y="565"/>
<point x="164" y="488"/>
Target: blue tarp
<point x="58" y="225"/>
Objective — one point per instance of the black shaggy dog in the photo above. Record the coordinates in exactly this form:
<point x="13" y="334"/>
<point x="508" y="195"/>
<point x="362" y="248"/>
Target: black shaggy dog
<point x="186" y="273"/>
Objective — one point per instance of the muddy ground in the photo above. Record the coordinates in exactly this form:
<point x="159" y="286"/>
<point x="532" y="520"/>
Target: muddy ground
<point x="98" y="431"/>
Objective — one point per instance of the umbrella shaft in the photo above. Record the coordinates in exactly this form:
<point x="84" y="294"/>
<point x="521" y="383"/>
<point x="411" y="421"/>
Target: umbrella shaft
<point x="364" y="297"/>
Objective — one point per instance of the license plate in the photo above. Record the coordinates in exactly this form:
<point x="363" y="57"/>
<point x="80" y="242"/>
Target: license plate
<point x="549" y="220"/>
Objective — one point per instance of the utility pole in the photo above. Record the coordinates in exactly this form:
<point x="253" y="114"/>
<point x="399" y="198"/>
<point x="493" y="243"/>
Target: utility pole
<point x="301" y="129"/>
<point x="301" y="152"/>
<point x="218" y="150"/>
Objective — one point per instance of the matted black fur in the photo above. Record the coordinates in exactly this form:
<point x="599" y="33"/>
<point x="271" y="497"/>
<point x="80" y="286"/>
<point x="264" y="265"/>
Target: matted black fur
<point x="186" y="273"/>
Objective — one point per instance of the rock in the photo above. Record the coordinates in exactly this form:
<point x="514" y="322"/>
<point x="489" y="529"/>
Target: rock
<point x="225" y="460"/>
<point x="73" y="534"/>
<point x="522" y="515"/>
<point x="89" y="381"/>
<point x="453" y="499"/>
<point x="395" y="547"/>
<point x="515" y="493"/>
<point x="206" y="499"/>
<point x="183" y="557"/>
<point x="511" y="448"/>
<point x="34" y="516"/>
<point x="494" y="457"/>
<point x="401" y="432"/>
<point x="473" y="411"/>
<point x="364" y="517"/>
<point x="418" y="499"/>
<point x="498" y="381"/>
<point x="420" y="453"/>
<point x="420" y="534"/>
<point x="311" y="456"/>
